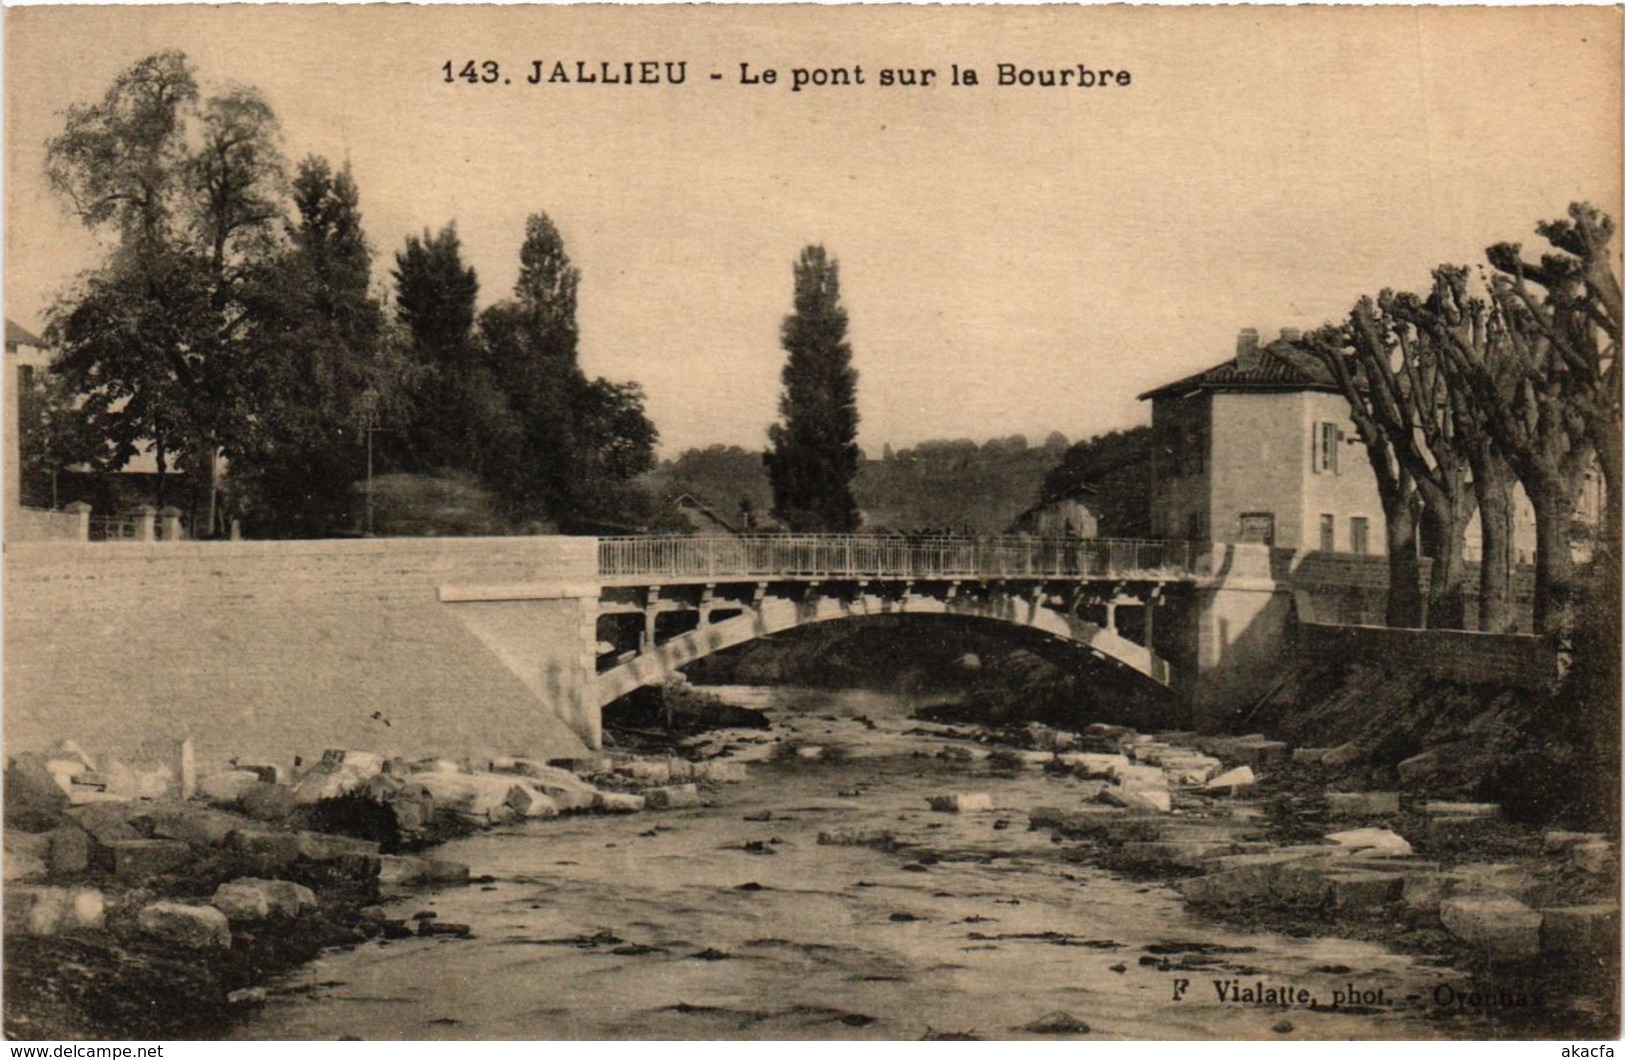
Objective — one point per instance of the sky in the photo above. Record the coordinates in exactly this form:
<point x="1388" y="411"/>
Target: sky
<point x="1014" y="260"/>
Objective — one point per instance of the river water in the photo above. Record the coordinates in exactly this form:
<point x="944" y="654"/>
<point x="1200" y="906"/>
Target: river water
<point x="705" y="924"/>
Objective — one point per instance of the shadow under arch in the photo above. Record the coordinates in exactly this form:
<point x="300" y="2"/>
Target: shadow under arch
<point x="1053" y="633"/>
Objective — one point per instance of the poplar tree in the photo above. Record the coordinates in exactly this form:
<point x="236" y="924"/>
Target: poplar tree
<point x="813" y="454"/>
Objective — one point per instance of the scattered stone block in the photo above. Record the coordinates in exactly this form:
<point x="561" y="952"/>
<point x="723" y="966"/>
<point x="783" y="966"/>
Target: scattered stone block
<point x="719" y="772"/>
<point x="1423" y="891"/>
<point x="366" y="762"/>
<point x="1557" y="842"/>
<point x="1581" y="930"/>
<point x="401" y="869"/>
<point x="1364" y="893"/>
<point x="1256" y="752"/>
<point x="1150" y="800"/>
<point x="444" y="870"/>
<point x="473" y="795"/>
<point x="229" y="786"/>
<point x="1462" y="809"/>
<point x="1502" y="928"/>
<point x="82" y="796"/>
<point x="1311" y="756"/>
<point x="809" y="752"/>
<point x="329" y="781"/>
<point x="879" y="839"/>
<point x="1362" y="803"/>
<point x="436" y="765"/>
<point x="70" y="850"/>
<point x="674" y="797"/>
<point x="1458" y="828"/>
<point x="65" y="771"/>
<point x="192" y="824"/>
<point x="321" y="846"/>
<point x="1596" y="857"/>
<point x="647" y="770"/>
<point x="1233" y="780"/>
<point x="527" y="802"/>
<point x="269" y="852"/>
<point x="27" y="855"/>
<point x="192" y="926"/>
<point x="1171" y="854"/>
<point x="269" y="773"/>
<point x="140" y="859"/>
<point x="248" y="898"/>
<point x="1379" y="840"/>
<point x="617" y="802"/>
<point x="961" y="803"/>
<point x="1342" y="755"/>
<point x="46" y="911"/>
<point x="1094" y="766"/>
<point x="33" y="799"/>
<point x="269" y="802"/>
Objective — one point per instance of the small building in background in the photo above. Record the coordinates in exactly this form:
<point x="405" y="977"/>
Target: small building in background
<point x="1071" y="515"/>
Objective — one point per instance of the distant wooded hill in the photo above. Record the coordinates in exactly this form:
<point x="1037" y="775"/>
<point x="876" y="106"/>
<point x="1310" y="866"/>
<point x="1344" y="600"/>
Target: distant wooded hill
<point x="959" y="486"/>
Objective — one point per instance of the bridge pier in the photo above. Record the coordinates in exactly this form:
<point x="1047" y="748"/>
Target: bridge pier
<point x="1238" y="630"/>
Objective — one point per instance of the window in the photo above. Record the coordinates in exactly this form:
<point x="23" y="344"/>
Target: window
<point x="1324" y="441"/>
<point x="1257" y="528"/>
<point x="1328" y="533"/>
<point x="1360" y="535"/>
<point x="1196" y="526"/>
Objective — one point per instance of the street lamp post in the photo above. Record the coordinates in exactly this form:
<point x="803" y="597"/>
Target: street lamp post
<point x="369" y="413"/>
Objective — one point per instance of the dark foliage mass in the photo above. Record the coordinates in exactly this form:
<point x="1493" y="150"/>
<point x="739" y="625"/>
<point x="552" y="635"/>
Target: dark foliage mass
<point x="813" y="450"/>
<point x="235" y="333"/>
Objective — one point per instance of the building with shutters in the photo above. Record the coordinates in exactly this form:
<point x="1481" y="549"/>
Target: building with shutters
<point x="1260" y="449"/>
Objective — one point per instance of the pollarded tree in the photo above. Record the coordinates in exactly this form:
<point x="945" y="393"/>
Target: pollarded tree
<point x="1451" y="318"/>
<point x="1548" y="387"/>
<point x="1401" y="505"/>
<point x="814" y="453"/>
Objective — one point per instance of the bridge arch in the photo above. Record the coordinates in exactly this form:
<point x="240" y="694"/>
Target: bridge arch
<point x="773" y="614"/>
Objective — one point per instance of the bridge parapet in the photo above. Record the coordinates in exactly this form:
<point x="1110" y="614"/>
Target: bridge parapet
<point x="778" y="557"/>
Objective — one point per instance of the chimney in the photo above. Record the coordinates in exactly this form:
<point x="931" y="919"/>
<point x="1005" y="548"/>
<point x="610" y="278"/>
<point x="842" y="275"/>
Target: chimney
<point x="1290" y="336"/>
<point x="1247" y="359"/>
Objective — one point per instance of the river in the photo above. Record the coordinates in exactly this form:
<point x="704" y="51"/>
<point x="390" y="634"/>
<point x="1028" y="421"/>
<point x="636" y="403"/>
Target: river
<point x="706" y="923"/>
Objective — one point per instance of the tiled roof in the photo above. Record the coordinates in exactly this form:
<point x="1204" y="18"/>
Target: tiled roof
<point x="17" y="335"/>
<point x="1280" y="366"/>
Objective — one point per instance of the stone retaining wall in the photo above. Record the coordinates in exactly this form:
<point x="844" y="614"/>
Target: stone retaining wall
<point x="276" y="648"/>
<point x="1464" y="657"/>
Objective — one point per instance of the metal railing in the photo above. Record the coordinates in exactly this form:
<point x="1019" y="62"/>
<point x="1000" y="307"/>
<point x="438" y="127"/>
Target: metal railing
<point x="115" y="528"/>
<point x="886" y="556"/>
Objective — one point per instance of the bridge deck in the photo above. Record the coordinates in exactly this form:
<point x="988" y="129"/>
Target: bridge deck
<point x="780" y="557"/>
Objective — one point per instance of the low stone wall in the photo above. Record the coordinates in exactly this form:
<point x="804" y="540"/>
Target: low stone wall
<point x="1464" y="657"/>
<point x="1353" y="589"/>
<point x="43" y="524"/>
<point x="276" y="648"/>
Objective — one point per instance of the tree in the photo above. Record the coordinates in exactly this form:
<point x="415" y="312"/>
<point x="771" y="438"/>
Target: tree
<point x="435" y="296"/>
<point x="813" y="454"/>
<point x="1451" y="317"/>
<point x="157" y="342"/>
<point x="1393" y="379"/>
<point x="1334" y="345"/>
<point x="1548" y="385"/>
<point x="573" y="443"/>
<point x="328" y="370"/>
<point x="1115" y="466"/>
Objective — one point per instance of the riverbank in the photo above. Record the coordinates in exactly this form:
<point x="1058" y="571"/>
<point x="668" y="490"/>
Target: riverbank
<point x="881" y="876"/>
<point x="134" y="912"/>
